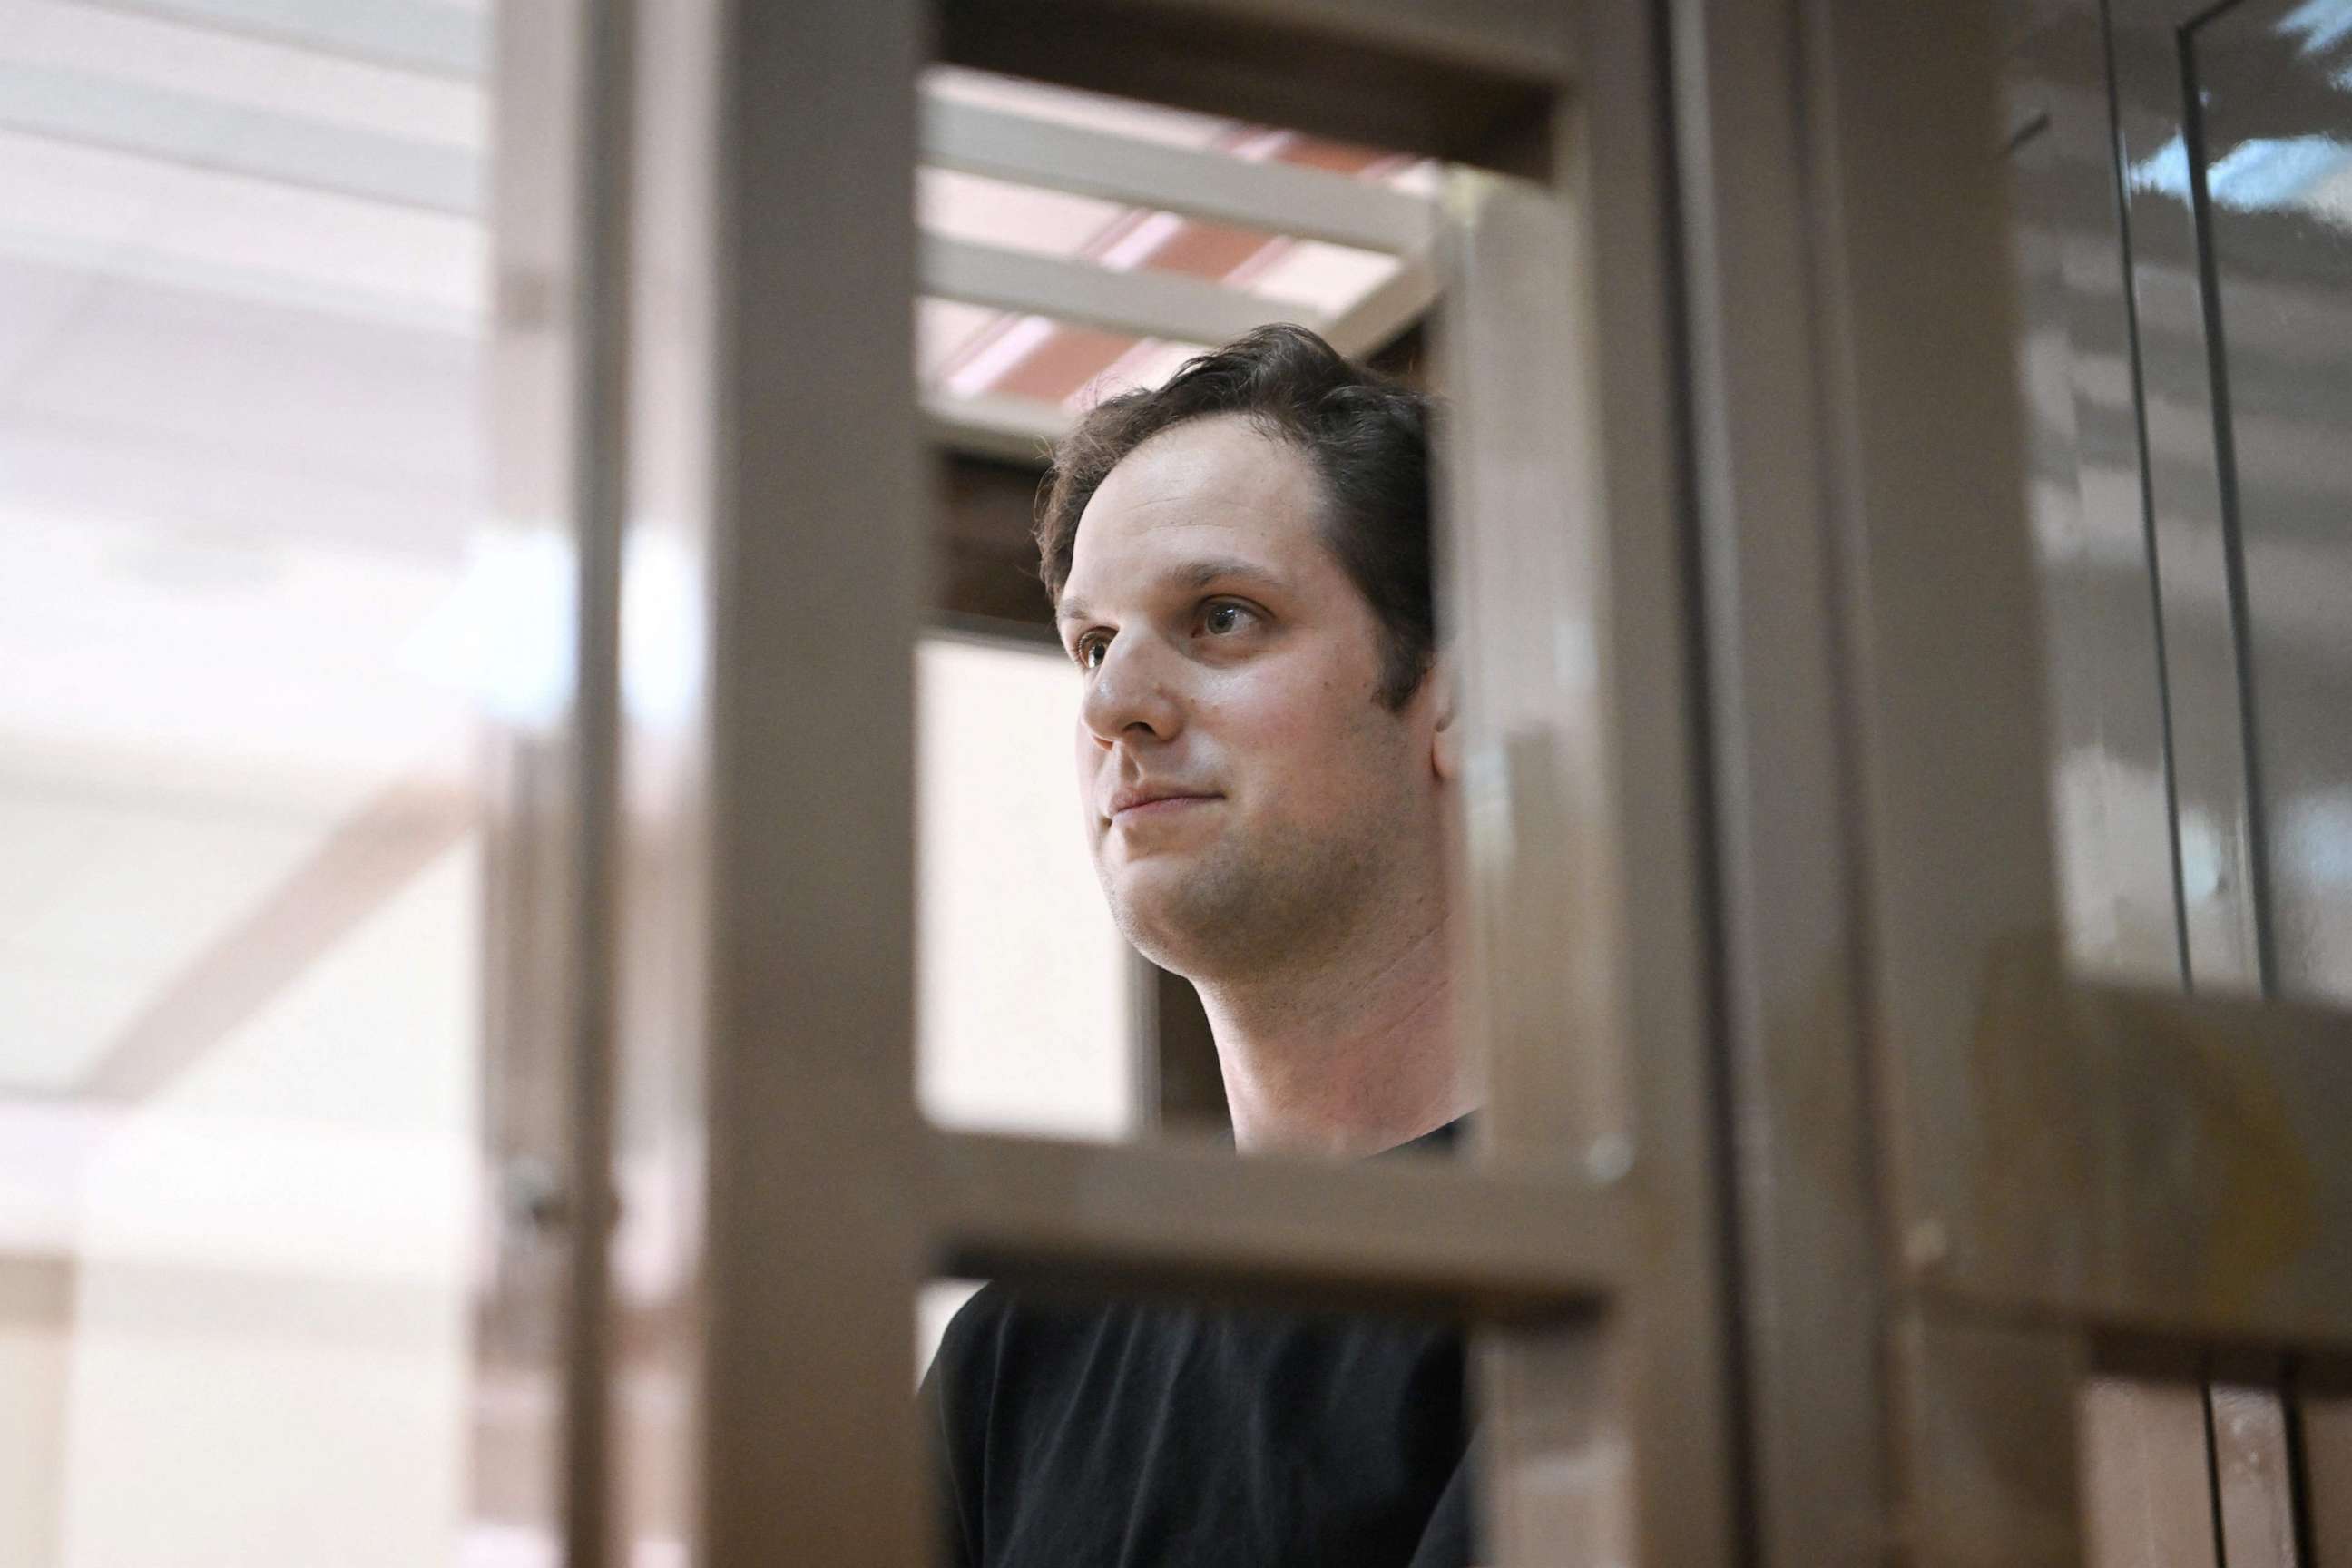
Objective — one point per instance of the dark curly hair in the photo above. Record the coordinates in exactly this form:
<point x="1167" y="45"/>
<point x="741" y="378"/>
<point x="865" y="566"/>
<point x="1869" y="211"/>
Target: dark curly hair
<point x="1366" y="436"/>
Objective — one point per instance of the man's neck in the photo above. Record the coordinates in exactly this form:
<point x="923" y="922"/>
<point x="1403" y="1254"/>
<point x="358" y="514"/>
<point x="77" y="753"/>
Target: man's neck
<point x="1347" y="1059"/>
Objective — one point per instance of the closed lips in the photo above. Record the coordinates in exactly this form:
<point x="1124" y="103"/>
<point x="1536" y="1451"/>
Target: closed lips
<point x="1128" y="800"/>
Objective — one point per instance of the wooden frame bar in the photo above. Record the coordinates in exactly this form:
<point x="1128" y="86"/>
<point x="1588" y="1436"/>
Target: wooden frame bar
<point x="2155" y="1163"/>
<point x="1811" y="1273"/>
<point x="1451" y="78"/>
<point x="1568" y="562"/>
<point x="540" y="1322"/>
<point x="1426" y="1232"/>
<point x="1610" y="150"/>
<point x="809" y="1248"/>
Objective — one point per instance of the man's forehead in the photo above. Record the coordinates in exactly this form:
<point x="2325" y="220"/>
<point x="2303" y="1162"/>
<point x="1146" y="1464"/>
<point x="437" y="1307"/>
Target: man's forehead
<point x="1206" y="457"/>
<point x="1209" y="492"/>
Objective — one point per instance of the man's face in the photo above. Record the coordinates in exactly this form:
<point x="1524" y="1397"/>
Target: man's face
<point x="1248" y="797"/>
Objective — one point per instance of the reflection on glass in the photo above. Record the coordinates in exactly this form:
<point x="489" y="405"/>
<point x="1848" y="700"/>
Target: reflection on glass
<point x="2276" y="81"/>
<point x="240" y="306"/>
<point x="2111" y="797"/>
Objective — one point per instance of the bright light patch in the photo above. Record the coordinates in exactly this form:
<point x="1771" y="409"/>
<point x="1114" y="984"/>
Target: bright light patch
<point x="2263" y="172"/>
<point x="2319" y="25"/>
<point x="505" y="634"/>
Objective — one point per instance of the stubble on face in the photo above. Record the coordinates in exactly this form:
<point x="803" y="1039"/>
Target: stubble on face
<point x="1274" y="892"/>
<point x="1326" y="823"/>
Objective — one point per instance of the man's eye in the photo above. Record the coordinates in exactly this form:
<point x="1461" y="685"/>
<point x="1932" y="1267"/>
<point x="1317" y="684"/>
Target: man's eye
<point x="1223" y="620"/>
<point x="1090" y="650"/>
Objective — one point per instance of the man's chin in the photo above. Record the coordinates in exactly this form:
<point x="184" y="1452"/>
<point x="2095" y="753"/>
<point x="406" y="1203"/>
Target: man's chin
<point x="1174" y="910"/>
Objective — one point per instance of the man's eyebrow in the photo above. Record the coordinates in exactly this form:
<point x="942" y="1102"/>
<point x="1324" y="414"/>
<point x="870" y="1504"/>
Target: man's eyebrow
<point x="1226" y="569"/>
<point x="1192" y="574"/>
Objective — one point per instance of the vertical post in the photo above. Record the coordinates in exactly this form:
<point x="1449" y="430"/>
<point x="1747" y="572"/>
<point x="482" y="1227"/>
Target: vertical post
<point x="1565" y="590"/>
<point x="1944" y="687"/>
<point x="1525" y="576"/>
<point x="1615" y="159"/>
<point x="815" y="493"/>
<point x="1985" y="1442"/>
<point x="600" y="483"/>
<point x="1810" y="1282"/>
<point x="560" y="247"/>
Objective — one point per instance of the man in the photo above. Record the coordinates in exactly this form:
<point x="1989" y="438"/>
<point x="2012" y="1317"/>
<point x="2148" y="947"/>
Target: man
<point x="1240" y="567"/>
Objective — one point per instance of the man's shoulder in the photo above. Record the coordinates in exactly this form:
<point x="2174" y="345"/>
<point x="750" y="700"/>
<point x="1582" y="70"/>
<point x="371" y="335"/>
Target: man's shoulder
<point x="977" y="1326"/>
<point x="998" y="1323"/>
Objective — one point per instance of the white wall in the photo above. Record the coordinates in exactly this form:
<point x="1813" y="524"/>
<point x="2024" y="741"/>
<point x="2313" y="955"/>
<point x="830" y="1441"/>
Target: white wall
<point x="268" y="1358"/>
<point x="1027" y="986"/>
<point x="1024" y="1001"/>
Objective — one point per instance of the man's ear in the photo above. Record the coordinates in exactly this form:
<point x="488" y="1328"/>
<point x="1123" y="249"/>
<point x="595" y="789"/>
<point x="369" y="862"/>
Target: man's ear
<point x="1446" y="728"/>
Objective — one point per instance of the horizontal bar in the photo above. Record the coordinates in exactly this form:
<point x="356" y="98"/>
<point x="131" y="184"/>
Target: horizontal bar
<point x="1150" y="304"/>
<point x="2153" y="1162"/>
<point x="1400" y="1232"/>
<point x="227" y="138"/>
<point x="221" y="139"/>
<point x="453" y="40"/>
<point x="1373" y="322"/>
<point x="415" y="35"/>
<point x="1279" y="198"/>
<point x="1510" y="39"/>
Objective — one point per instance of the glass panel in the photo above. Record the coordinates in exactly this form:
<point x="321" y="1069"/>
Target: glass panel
<point x="2110" y="770"/>
<point x="2186" y="545"/>
<point x="2276" y="81"/>
<point x="241" y="308"/>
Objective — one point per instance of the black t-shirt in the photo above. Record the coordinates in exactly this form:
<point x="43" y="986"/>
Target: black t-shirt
<point x="1135" y="1434"/>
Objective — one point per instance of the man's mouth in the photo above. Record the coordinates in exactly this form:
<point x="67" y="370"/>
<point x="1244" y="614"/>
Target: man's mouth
<point x="1142" y="804"/>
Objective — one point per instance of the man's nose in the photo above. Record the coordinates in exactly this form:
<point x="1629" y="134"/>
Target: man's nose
<point x="1133" y="693"/>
